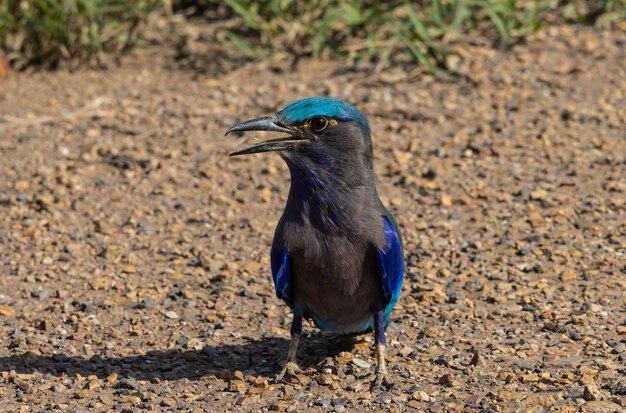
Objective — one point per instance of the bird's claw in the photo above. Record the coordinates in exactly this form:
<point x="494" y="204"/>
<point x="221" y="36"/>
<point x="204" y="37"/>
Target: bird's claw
<point x="381" y="379"/>
<point x="291" y="369"/>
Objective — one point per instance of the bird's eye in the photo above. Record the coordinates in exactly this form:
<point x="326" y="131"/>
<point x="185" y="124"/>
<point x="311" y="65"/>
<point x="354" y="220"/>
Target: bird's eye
<point x="318" y="123"/>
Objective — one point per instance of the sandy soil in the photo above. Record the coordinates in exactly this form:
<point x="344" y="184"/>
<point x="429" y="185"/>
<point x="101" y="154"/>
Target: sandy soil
<point x="134" y="252"/>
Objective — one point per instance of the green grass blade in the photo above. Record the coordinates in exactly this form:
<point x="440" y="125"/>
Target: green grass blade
<point x="460" y="16"/>
<point x="438" y="13"/>
<point x="250" y="17"/>
<point x="497" y="20"/>
<point x="417" y="53"/>
<point x="240" y="43"/>
<point x="418" y="26"/>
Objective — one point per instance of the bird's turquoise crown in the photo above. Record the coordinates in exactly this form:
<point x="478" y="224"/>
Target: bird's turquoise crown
<point x="307" y="108"/>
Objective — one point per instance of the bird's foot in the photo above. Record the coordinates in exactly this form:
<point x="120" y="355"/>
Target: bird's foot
<point x="291" y="369"/>
<point x="380" y="375"/>
<point x="381" y="378"/>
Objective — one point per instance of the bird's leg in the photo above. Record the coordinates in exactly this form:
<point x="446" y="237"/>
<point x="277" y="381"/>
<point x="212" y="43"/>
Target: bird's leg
<point x="380" y="341"/>
<point x="291" y="368"/>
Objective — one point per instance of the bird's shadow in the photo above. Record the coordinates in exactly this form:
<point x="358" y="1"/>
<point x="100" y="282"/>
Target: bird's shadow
<point x="263" y="357"/>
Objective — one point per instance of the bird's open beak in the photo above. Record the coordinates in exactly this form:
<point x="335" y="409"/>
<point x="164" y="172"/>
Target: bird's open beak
<point x="267" y="124"/>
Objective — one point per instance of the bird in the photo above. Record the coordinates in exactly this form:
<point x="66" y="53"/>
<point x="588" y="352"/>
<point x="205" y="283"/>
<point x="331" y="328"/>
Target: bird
<point x="337" y="255"/>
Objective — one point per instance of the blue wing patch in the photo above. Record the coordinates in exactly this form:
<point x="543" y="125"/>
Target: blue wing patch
<point x="280" y="274"/>
<point x="391" y="267"/>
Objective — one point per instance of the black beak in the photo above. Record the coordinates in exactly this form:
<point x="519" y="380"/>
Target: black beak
<point x="267" y="124"/>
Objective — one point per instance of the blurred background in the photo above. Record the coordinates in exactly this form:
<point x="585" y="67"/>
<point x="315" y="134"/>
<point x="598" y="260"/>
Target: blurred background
<point x="373" y="34"/>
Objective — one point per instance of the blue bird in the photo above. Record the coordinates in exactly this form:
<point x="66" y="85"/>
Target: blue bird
<point x="337" y="255"/>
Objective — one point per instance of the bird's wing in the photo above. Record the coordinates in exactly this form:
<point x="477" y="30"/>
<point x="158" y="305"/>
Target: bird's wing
<point x="280" y="273"/>
<point x="391" y="265"/>
<point x="392" y="220"/>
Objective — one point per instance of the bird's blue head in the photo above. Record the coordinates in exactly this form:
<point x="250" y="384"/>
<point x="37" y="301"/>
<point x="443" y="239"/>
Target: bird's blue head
<point x="304" y="110"/>
<point x="315" y="125"/>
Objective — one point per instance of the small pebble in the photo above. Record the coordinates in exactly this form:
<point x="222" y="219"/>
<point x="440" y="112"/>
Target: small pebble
<point x="361" y="363"/>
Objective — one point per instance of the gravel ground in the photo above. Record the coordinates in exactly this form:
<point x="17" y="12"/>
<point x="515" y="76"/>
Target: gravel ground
<point x="135" y="254"/>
